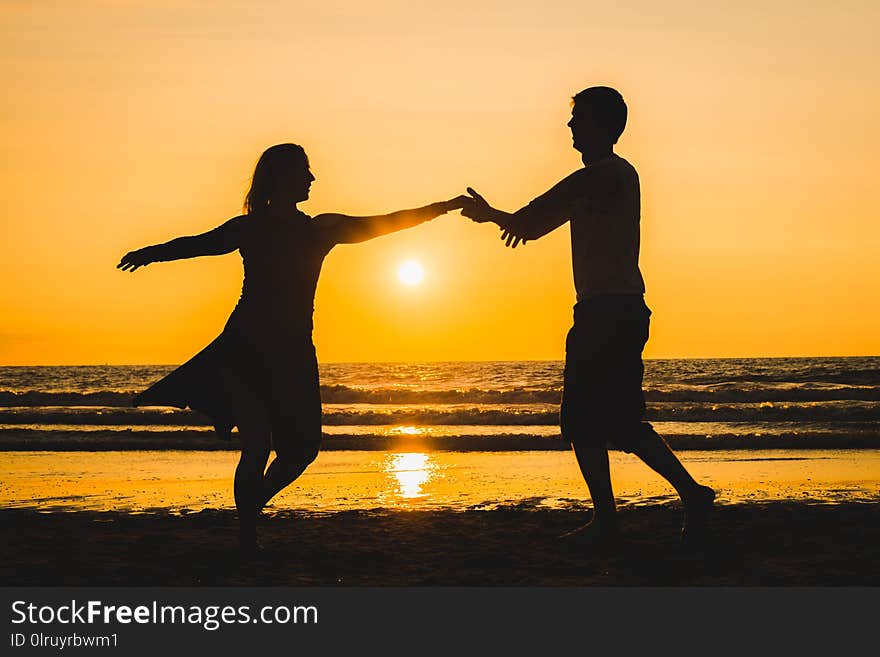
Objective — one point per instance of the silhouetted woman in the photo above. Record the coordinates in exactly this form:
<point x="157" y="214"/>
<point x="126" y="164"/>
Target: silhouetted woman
<point x="261" y="373"/>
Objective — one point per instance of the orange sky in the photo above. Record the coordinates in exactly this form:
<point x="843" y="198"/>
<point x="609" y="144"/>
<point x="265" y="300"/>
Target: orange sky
<point x="126" y="123"/>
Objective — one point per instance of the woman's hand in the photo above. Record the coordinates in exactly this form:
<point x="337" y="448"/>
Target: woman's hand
<point x="134" y="259"/>
<point x="456" y="203"/>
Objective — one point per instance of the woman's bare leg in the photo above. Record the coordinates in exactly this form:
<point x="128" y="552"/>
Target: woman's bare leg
<point x="254" y="436"/>
<point x="283" y="471"/>
<point x="297" y="437"/>
<point x="249" y="484"/>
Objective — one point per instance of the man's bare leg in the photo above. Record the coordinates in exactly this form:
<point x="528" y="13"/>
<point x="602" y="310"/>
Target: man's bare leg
<point x="698" y="500"/>
<point x="593" y="462"/>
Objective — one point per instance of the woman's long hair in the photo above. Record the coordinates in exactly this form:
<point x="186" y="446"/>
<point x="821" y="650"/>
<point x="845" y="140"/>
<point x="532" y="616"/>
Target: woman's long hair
<point x="273" y="172"/>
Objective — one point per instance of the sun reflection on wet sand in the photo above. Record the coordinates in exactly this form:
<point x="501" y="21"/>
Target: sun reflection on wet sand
<point x="411" y="471"/>
<point x="410" y="478"/>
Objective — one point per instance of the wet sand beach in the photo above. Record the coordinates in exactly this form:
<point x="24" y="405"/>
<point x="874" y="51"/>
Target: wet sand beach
<point x="784" y="517"/>
<point x="190" y="481"/>
<point x="767" y="544"/>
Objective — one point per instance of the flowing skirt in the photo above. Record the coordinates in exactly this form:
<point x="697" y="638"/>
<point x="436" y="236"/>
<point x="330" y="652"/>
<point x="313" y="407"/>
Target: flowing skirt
<point x="280" y="375"/>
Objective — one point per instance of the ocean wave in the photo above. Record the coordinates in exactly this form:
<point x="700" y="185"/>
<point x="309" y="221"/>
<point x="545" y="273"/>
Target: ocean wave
<point x="783" y="373"/>
<point x="338" y="394"/>
<point x="463" y="414"/>
<point x="720" y="393"/>
<point x="104" y="440"/>
<point x="732" y="394"/>
<point x="35" y="398"/>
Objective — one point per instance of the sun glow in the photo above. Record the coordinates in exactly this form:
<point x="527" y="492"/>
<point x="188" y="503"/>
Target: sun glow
<point x="411" y="273"/>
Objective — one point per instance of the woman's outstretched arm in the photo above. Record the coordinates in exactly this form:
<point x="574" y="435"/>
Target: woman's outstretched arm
<point x="344" y="229"/>
<point x="223" y="239"/>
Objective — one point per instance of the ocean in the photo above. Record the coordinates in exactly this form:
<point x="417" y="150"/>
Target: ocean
<point x="460" y="436"/>
<point x="697" y="404"/>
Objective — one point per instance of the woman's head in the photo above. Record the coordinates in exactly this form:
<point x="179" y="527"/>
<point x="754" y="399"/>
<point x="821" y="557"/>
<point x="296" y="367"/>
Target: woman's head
<point x="281" y="178"/>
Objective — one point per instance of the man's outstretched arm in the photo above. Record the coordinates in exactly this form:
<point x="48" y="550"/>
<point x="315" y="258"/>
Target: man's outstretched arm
<point x="543" y="215"/>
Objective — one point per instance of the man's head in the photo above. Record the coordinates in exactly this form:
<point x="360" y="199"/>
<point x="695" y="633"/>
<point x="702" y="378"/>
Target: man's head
<point x="598" y="117"/>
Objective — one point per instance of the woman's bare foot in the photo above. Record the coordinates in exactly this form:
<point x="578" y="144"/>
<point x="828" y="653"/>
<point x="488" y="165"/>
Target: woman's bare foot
<point x="248" y="546"/>
<point x="696" y="513"/>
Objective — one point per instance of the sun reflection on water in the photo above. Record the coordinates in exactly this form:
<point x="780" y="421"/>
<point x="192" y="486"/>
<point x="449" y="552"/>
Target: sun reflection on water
<point x="407" y="431"/>
<point x="411" y="471"/>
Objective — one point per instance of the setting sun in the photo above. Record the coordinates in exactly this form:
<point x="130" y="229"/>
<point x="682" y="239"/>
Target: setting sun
<point x="411" y="273"/>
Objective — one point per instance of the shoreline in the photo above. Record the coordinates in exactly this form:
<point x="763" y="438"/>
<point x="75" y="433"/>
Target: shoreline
<point x="29" y="440"/>
<point x="766" y="544"/>
<point x="423" y="480"/>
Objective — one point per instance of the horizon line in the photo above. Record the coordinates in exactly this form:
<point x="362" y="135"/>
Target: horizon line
<point x="488" y="360"/>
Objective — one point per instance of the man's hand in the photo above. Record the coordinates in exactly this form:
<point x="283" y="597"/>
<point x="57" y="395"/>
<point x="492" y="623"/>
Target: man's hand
<point x="511" y="239"/>
<point x="477" y="208"/>
<point x="134" y="259"/>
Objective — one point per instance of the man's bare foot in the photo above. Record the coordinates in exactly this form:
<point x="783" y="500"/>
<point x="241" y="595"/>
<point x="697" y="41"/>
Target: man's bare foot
<point x="696" y="514"/>
<point x="595" y="534"/>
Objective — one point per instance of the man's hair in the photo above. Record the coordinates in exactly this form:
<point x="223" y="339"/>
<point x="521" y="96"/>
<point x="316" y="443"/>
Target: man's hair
<point x="605" y="105"/>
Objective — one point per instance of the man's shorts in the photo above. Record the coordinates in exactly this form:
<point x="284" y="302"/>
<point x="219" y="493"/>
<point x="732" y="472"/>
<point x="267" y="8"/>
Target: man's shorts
<point x="602" y="399"/>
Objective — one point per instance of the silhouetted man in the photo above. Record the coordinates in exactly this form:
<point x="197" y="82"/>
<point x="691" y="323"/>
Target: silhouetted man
<point x="602" y="399"/>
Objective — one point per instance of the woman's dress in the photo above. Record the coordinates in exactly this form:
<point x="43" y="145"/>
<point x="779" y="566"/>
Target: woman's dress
<point x="266" y="346"/>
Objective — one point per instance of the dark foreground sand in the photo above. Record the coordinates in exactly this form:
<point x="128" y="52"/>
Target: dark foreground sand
<point x="772" y="544"/>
